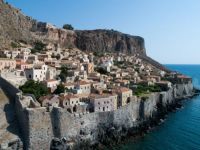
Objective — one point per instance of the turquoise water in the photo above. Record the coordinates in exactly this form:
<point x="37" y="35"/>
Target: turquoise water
<point x="181" y="130"/>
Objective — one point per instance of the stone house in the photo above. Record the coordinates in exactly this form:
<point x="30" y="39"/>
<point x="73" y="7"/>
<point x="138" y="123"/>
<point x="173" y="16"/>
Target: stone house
<point x="69" y="86"/>
<point x="53" y="62"/>
<point x="9" y="54"/>
<point x="49" y="100"/>
<point x="69" y="100"/>
<point x="165" y="85"/>
<point x="7" y="64"/>
<point x="21" y="65"/>
<point x="122" y="82"/>
<point x="103" y="102"/>
<point x="116" y="74"/>
<point x="32" y="59"/>
<point x="123" y="73"/>
<point x="37" y="73"/>
<point x="51" y="73"/>
<point x="124" y="95"/>
<point x="43" y="57"/>
<point x="98" y="85"/>
<point x="52" y="84"/>
<point x="183" y="79"/>
<point x="83" y="87"/>
<point x="83" y="75"/>
<point x="72" y="104"/>
<point x="88" y="67"/>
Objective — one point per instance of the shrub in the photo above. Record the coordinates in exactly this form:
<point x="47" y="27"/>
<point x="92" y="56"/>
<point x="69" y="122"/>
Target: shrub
<point x="39" y="45"/>
<point x="68" y="27"/>
<point x="63" y="73"/>
<point x="60" y="89"/>
<point x="101" y="70"/>
<point x="14" y="45"/>
<point x="36" y="88"/>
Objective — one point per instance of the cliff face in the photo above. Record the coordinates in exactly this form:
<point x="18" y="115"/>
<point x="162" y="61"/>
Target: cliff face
<point x="109" y="40"/>
<point x="16" y="27"/>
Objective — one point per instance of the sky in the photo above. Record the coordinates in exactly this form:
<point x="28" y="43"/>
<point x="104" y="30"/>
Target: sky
<point x="171" y="28"/>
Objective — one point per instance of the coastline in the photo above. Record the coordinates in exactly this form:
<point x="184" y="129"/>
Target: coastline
<point x="134" y="134"/>
<point x="112" y="137"/>
<point x="94" y="130"/>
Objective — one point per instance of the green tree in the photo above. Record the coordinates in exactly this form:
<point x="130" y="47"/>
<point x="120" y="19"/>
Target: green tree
<point x="63" y="73"/>
<point x="38" y="47"/>
<point x="60" y="89"/>
<point x="101" y="70"/>
<point x="68" y="27"/>
<point x="36" y="88"/>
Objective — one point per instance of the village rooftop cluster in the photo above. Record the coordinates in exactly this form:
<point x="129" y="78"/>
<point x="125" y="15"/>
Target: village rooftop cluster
<point x="83" y="82"/>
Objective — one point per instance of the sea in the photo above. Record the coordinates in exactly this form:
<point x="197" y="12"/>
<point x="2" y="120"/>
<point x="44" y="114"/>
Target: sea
<point x="181" y="129"/>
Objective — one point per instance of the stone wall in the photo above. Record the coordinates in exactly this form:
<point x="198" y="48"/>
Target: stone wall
<point x="39" y="125"/>
<point x="76" y="128"/>
<point x="9" y="89"/>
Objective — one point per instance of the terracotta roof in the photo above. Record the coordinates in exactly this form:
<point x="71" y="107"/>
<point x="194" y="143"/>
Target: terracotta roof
<point x="120" y="89"/>
<point x="51" y="80"/>
<point x="82" y="95"/>
<point x="96" y="96"/>
<point x="67" y="97"/>
<point x="21" y="63"/>
<point x="69" y="84"/>
<point x="82" y="83"/>
<point x="183" y="76"/>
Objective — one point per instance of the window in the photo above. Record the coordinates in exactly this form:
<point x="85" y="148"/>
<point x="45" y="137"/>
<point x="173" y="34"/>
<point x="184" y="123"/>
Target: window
<point x="103" y="108"/>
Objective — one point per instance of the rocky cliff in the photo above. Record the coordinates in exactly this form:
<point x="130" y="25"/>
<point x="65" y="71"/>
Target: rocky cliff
<point x="15" y="27"/>
<point x="109" y="40"/>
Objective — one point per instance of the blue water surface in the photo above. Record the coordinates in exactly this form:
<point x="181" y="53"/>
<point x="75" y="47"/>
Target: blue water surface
<point x="181" y="130"/>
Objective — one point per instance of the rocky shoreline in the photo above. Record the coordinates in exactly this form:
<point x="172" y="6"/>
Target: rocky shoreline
<point x="112" y="136"/>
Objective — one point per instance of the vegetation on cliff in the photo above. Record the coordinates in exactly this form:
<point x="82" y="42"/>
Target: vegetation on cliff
<point x="38" y="47"/>
<point x="68" y="27"/>
<point x="144" y="89"/>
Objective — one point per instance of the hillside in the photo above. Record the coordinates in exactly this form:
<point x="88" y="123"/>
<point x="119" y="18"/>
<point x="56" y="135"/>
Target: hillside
<point x="16" y="28"/>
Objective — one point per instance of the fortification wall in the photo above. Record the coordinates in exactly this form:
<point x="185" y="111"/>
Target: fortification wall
<point x="9" y="89"/>
<point x="39" y="126"/>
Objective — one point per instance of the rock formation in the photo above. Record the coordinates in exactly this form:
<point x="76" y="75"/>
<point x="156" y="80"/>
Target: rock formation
<point x="16" y="27"/>
<point x="109" y="40"/>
